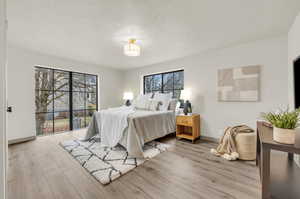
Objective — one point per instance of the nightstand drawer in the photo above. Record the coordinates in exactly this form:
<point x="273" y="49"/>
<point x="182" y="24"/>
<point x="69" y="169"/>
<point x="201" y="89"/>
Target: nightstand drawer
<point x="183" y="120"/>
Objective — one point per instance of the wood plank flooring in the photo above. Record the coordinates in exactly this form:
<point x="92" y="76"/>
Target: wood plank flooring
<point x="42" y="169"/>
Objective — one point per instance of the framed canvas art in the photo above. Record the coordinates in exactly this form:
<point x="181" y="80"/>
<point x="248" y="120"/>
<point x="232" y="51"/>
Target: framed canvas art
<point x="241" y="84"/>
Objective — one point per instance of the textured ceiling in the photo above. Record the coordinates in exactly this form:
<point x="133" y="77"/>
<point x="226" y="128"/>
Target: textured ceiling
<point x="94" y="31"/>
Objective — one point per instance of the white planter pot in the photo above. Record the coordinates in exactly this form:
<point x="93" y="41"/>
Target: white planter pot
<point x="284" y="136"/>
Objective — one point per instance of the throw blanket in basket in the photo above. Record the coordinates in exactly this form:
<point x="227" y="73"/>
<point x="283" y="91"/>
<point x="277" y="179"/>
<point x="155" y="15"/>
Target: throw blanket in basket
<point x="227" y="146"/>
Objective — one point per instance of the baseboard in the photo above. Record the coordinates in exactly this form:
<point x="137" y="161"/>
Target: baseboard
<point x="211" y="139"/>
<point x="20" y="140"/>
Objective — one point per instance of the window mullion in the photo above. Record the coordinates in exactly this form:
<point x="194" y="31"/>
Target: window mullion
<point x="173" y="85"/>
<point x="85" y="98"/>
<point x="71" y="100"/>
<point x="97" y="93"/>
<point x="53" y="105"/>
<point x="144" y="84"/>
<point x="162" y="83"/>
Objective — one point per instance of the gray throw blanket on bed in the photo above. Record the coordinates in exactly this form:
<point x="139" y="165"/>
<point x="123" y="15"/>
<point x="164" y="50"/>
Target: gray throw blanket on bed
<point x="227" y="147"/>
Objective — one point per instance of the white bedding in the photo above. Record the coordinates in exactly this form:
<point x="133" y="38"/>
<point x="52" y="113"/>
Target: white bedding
<point x="130" y="127"/>
<point x="112" y="124"/>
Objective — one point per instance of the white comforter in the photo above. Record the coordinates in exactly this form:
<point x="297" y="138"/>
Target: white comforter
<point x="131" y="128"/>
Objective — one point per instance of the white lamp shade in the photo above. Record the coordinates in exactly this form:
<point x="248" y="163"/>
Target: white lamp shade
<point x="132" y="50"/>
<point x="128" y="96"/>
<point x="185" y="94"/>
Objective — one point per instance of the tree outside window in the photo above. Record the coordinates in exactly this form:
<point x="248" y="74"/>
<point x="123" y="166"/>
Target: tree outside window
<point x="170" y="82"/>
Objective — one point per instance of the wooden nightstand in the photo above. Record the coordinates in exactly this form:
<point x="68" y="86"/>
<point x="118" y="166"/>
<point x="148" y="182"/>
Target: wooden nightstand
<point x="188" y="126"/>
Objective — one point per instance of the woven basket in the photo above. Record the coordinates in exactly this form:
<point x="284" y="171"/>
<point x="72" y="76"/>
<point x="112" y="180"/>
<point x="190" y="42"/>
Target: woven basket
<point x="246" y="145"/>
<point x="284" y="136"/>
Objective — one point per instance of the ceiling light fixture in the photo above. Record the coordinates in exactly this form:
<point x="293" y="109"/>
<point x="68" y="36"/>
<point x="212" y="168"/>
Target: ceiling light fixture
<point x="132" y="49"/>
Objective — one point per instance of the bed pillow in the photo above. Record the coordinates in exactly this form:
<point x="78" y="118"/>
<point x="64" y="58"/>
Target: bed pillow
<point x="141" y="100"/>
<point x="145" y="96"/>
<point x="147" y="104"/>
<point x="172" y="104"/>
<point x="142" y="104"/>
<point x="164" y="98"/>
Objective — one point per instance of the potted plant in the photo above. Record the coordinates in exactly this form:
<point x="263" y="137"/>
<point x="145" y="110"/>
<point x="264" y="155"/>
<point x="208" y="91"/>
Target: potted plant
<point x="284" y="124"/>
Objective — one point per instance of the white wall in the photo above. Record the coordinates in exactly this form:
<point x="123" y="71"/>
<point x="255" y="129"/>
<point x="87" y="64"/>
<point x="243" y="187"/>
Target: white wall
<point x="201" y="78"/>
<point x="21" y="87"/>
<point x="293" y="53"/>
<point x="3" y="143"/>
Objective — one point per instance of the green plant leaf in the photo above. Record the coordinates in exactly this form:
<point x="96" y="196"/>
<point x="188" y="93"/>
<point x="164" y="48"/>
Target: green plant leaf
<point x="284" y="119"/>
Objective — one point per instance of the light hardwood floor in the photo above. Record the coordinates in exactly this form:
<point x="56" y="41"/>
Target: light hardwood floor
<point x="41" y="169"/>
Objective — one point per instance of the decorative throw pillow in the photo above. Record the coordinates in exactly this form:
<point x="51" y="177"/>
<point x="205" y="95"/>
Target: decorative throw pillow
<point x="153" y="105"/>
<point x="172" y="104"/>
<point x="164" y="98"/>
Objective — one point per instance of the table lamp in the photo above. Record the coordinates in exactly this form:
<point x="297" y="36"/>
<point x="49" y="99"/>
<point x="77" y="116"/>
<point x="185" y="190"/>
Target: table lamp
<point x="128" y="96"/>
<point x="186" y="96"/>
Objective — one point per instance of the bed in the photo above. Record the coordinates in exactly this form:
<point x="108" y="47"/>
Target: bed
<point x="131" y="127"/>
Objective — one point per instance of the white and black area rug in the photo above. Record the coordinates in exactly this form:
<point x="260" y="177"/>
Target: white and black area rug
<point x="107" y="164"/>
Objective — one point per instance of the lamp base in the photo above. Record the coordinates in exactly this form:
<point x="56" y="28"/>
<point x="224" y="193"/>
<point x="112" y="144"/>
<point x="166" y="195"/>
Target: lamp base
<point x="187" y="107"/>
<point x="128" y="103"/>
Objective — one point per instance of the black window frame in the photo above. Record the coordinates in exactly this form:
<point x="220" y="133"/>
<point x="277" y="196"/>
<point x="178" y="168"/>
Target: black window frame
<point x="70" y="110"/>
<point x="161" y="90"/>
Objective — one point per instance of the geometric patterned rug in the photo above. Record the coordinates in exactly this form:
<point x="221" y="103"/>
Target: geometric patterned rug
<point x="107" y="164"/>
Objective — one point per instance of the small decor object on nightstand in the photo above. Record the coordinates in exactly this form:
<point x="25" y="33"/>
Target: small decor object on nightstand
<point x="188" y="126"/>
<point x="284" y="124"/>
<point x="186" y="96"/>
<point x="128" y="96"/>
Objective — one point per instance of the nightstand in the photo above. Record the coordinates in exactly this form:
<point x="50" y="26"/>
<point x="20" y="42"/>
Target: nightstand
<point x="188" y="126"/>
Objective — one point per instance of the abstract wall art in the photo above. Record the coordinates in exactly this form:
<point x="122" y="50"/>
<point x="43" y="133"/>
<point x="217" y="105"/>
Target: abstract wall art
<point x="241" y="84"/>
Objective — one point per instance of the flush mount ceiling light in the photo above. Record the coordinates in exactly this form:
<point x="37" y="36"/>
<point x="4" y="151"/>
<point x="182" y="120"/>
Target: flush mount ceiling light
<point x="132" y="49"/>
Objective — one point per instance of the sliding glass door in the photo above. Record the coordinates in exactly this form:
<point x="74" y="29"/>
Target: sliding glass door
<point x="84" y="90"/>
<point x="65" y="100"/>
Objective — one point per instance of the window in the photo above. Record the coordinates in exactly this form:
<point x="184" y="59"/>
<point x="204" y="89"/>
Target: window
<point x="169" y="82"/>
<point x="64" y="100"/>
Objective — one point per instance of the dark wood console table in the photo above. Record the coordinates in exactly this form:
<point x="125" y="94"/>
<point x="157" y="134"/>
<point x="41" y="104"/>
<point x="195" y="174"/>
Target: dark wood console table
<point x="265" y="144"/>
